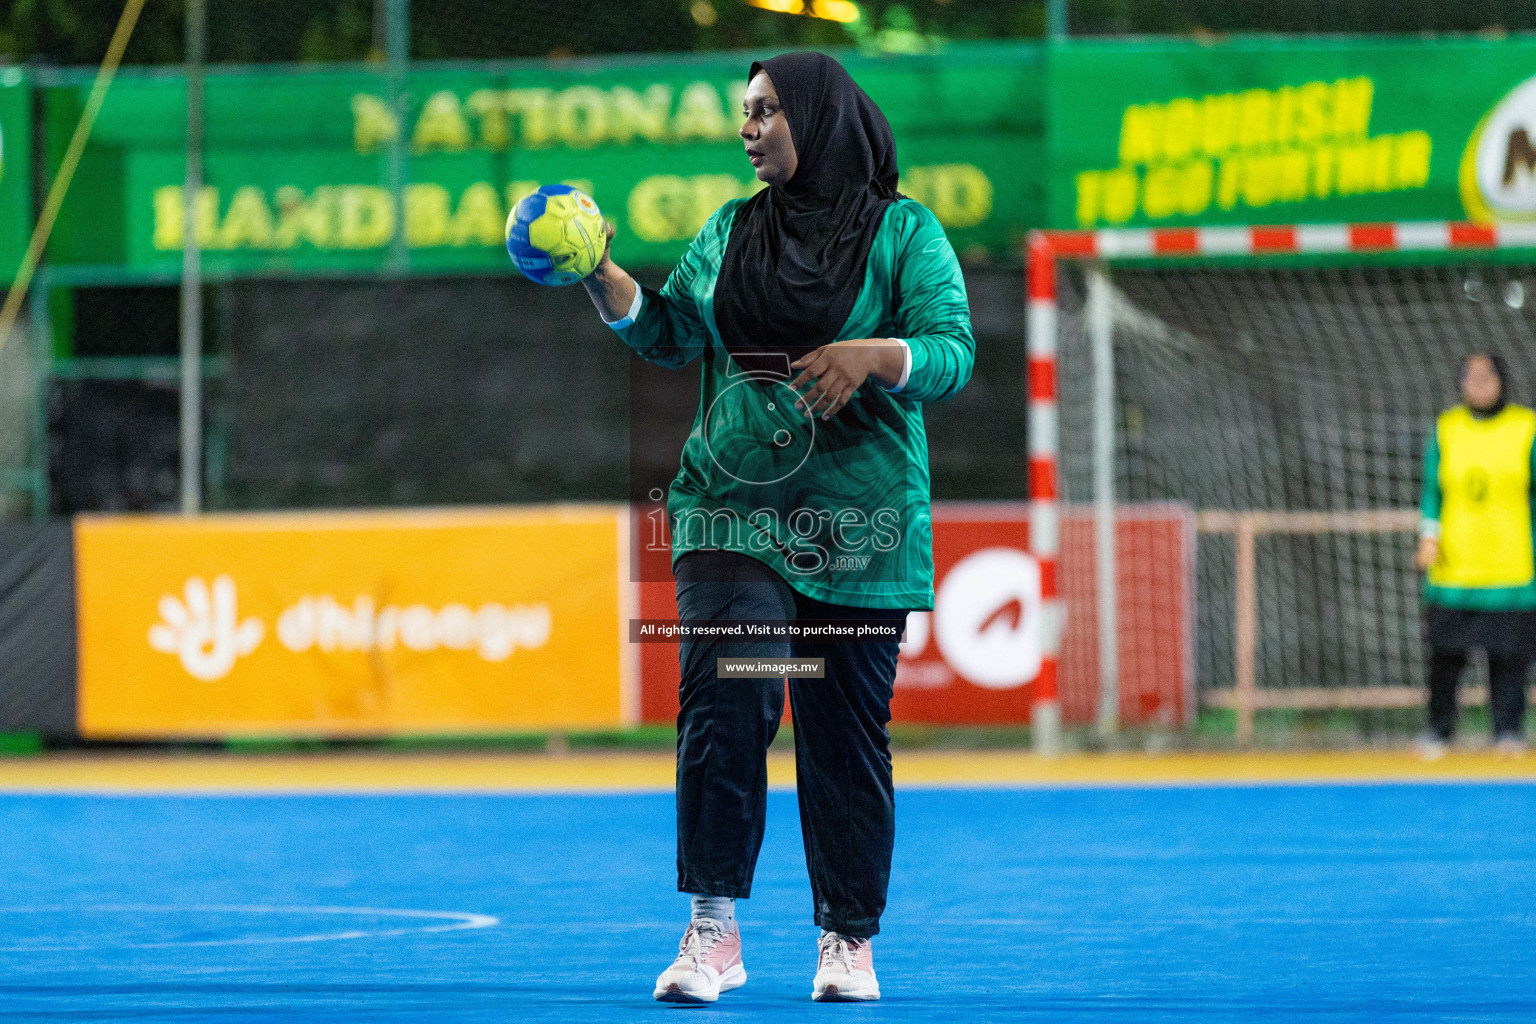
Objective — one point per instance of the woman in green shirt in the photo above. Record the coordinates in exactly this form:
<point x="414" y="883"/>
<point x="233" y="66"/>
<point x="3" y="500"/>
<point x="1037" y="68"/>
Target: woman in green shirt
<point x="1476" y="547"/>
<point x="825" y="309"/>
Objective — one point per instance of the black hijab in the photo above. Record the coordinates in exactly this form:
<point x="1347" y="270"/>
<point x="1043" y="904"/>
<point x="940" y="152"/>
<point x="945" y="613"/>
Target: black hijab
<point x="1501" y="371"/>
<point x="797" y="254"/>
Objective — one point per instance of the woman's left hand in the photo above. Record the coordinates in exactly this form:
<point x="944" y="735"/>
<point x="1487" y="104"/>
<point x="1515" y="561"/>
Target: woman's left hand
<point x="1428" y="553"/>
<point x="839" y="369"/>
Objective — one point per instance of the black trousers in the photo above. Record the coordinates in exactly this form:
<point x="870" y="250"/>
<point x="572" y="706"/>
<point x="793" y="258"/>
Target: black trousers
<point x="842" y="746"/>
<point x="1506" y="690"/>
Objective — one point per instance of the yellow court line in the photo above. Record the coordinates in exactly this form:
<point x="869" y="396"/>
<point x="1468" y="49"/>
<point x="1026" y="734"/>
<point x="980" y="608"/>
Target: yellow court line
<point x="925" y="768"/>
<point x="654" y="772"/>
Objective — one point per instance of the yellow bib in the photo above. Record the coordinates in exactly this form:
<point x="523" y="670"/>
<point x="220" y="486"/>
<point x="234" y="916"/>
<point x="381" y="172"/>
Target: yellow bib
<point x="1485" y="487"/>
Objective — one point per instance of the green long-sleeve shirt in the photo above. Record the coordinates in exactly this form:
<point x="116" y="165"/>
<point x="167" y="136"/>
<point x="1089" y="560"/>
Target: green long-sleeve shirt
<point x="838" y="507"/>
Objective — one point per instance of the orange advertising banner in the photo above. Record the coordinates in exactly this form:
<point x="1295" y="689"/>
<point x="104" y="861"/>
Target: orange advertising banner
<point x="354" y="623"/>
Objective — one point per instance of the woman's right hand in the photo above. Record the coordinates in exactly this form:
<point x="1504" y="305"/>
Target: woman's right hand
<point x="607" y="261"/>
<point x="612" y="290"/>
<point x="1428" y="553"/>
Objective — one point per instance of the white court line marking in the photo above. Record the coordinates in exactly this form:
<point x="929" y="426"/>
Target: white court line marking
<point x="453" y="921"/>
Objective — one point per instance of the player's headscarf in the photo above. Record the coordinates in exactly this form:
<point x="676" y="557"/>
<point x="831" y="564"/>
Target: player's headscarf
<point x="1501" y="371"/>
<point x="796" y="258"/>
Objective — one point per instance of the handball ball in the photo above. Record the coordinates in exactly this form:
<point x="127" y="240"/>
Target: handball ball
<point x="556" y="235"/>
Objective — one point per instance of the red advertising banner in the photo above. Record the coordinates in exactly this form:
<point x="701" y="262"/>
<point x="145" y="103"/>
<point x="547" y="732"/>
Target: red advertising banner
<point x="1155" y="606"/>
<point x="973" y="660"/>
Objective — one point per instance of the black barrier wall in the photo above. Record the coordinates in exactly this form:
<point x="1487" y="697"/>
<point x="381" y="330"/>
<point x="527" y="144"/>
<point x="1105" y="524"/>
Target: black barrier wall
<point x="37" y="628"/>
<point x="496" y="390"/>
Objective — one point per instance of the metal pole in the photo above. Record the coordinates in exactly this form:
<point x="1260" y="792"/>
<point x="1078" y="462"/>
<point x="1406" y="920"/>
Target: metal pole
<point x="380" y="30"/>
<point x="1246" y="647"/>
<point x="397" y="51"/>
<point x="1055" y="20"/>
<point x="1101" y="337"/>
<point x="192" y="272"/>
<point x="42" y="369"/>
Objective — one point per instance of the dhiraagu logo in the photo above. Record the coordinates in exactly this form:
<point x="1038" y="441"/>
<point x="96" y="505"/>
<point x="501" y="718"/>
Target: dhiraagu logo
<point x="204" y="629"/>
<point x="1497" y="176"/>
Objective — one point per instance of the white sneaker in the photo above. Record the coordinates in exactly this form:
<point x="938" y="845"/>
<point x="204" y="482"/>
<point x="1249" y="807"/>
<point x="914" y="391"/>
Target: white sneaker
<point x="845" y="970"/>
<point x="708" y="963"/>
<point x="1510" y="744"/>
<point x="1430" y="747"/>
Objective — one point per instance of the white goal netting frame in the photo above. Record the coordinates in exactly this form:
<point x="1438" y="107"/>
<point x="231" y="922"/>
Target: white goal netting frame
<point x="1279" y="381"/>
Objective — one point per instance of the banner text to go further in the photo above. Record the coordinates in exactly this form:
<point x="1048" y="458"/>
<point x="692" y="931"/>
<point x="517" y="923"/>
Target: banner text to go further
<point x="1250" y="149"/>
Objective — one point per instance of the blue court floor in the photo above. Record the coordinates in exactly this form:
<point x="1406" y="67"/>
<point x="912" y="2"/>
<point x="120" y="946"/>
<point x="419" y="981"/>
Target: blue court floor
<point x="1269" y="903"/>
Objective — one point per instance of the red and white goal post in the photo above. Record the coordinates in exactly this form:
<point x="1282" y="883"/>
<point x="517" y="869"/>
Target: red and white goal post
<point x="1362" y="508"/>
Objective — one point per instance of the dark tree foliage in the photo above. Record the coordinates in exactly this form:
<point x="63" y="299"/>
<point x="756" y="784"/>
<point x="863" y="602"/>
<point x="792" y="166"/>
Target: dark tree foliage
<point x="77" y="31"/>
<point x="64" y="32"/>
<point x="1117" y="17"/>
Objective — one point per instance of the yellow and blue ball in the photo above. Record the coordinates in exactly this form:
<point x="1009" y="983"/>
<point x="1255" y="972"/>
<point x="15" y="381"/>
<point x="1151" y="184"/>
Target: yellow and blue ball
<point x="556" y="235"/>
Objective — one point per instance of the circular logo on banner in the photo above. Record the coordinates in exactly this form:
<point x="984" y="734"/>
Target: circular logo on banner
<point x="987" y="618"/>
<point x="1497" y="176"/>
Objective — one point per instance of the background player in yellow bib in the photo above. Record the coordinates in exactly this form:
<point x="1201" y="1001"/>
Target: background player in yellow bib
<point x="1476" y="545"/>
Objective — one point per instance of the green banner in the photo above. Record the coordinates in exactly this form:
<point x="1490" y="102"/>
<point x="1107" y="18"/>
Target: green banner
<point x="297" y="163"/>
<point x="1265" y="131"/>
<point x="15" y="170"/>
<point x="995" y="138"/>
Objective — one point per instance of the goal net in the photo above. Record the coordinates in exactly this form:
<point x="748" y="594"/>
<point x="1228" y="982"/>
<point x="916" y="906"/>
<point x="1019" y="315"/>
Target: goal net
<point x="1291" y="404"/>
